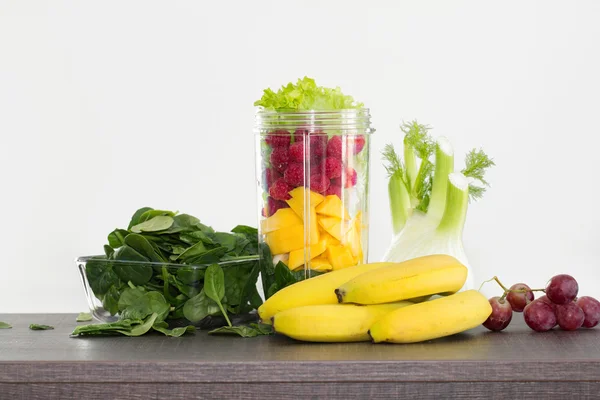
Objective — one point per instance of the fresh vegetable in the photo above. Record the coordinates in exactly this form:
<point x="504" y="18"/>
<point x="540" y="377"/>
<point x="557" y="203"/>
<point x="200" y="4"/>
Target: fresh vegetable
<point x="38" y="327"/>
<point x="5" y="325"/>
<point x="84" y="317"/>
<point x="306" y="95"/>
<point x="332" y="322"/>
<point x="432" y="319"/>
<point x="251" y="330"/>
<point x="174" y="266"/>
<point x="423" y="276"/>
<point x="428" y="200"/>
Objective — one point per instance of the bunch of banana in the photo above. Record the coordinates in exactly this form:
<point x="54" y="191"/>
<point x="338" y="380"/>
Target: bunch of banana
<point x="382" y="301"/>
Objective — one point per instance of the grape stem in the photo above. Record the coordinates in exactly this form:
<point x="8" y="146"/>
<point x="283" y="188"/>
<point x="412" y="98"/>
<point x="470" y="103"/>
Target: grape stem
<point x="506" y="290"/>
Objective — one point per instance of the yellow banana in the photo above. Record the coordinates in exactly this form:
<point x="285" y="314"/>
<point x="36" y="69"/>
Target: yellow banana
<point x="313" y="291"/>
<point x="332" y="322"/>
<point x="433" y="319"/>
<point x="418" y="277"/>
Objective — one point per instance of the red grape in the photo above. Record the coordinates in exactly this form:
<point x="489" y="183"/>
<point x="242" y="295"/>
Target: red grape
<point x="500" y="316"/>
<point x="546" y="300"/>
<point x="539" y="316"/>
<point x="562" y="289"/>
<point x="569" y="316"/>
<point x="591" y="309"/>
<point x="518" y="300"/>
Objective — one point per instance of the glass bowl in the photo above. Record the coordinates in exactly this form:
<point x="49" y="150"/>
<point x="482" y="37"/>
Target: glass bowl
<point x="104" y="282"/>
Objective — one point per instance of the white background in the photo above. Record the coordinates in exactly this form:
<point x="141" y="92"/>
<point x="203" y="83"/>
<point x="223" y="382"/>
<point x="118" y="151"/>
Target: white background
<point x="106" y="107"/>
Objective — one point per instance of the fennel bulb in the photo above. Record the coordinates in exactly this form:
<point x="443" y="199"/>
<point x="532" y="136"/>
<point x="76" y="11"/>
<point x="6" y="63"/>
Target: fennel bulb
<point x="429" y="203"/>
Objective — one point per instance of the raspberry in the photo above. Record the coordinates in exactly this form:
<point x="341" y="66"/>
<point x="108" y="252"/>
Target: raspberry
<point x="278" y="138"/>
<point x="279" y="159"/>
<point x="297" y="152"/>
<point x="273" y="205"/>
<point x="333" y="167"/>
<point x="270" y="176"/>
<point x="298" y="133"/>
<point x="294" y="174"/>
<point x="280" y="190"/>
<point x="349" y="180"/>
<point x="334" y="189"/>
<point x="357" y="143"/>
<point x="334" y="147"/>
<point x="319" y="183"/>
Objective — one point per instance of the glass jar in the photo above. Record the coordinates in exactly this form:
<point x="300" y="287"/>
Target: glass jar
<point x="313" y="183"/>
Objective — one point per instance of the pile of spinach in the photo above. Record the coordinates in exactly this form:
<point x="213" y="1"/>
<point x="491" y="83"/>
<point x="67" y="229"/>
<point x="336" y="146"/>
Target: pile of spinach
<point x="215" y="274"/>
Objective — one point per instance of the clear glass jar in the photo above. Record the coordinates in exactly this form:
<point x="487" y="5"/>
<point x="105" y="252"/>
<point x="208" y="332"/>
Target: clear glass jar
<point x="313" y="183"/>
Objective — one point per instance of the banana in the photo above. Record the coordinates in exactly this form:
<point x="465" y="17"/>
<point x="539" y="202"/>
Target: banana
<point x="433" y="319"/>
<point x="332" y="322"/>
<point x="313" y="291"/>
<point x="418" y="277"/>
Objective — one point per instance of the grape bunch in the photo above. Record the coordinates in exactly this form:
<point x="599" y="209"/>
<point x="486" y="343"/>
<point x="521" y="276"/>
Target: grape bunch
<point x="558" y="306"/>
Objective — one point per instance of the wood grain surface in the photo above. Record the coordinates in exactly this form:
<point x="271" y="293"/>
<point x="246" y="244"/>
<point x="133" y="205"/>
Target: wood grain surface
<point x="517" y="362"/>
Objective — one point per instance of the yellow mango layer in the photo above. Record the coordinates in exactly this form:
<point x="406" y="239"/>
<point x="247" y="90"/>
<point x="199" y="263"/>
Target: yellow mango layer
<point x="282" y="218"/>
<point x="339" y="257"/>
<point x="297" y="256"/>
<point x="320" y="264"/>
<point x="336" y="227"/>
<point x="332" y="206"/>
<point x="296" y="203"/>
<point x="286" y="239"/>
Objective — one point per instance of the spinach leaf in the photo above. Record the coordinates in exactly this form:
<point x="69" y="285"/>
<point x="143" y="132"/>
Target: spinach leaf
<point x="193" y="251"/>
<point x="143" y="247"/>
<point x="267" y="270"/>
<point x="116" y="238"/>
<point x="135" y="219"/>
<point x="38" y="327"/>
<point x="84" y="317"/>
<point x="240" y="281"/>
<point x="208" y="257"/>
<point x="226" y="240"/>
<point x="199" y="307"/>
<point x="5" y="325"/>
<point x="163" y="327"/>
<point x="154" y="213"/>
<point x="156" y="224"/>
<point x="103" y="329"/>
<point x="246" y="331"/>
<point x="214" y="286"/>
<point x="110" y="301"/>
<point x="147" y="304"/>
<point x="101" y="276"/>
<point x="139" y="330"/>
<point x="190" y="275"/>
<point x="129" y="296"/>
<point x="283" y="276"/>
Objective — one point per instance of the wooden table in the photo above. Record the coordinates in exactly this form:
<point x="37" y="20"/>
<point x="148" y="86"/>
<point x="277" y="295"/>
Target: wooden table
<point x="517" y="363"/>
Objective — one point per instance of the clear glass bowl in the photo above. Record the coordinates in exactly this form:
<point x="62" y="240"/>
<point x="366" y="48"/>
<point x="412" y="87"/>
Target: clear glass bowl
<point x="103" y="285"/>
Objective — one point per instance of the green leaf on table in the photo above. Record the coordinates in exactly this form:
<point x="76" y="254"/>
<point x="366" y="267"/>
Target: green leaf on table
<point x="5" y="325"/>
<point x="40" y="327"/>
<point x="163" y="328"/>
<point x="199" y="307"/>
<point x="139" y="330"/>
<point x="156" y="224"/>
<point x="103" y="329"/>
<point x="246" y="331"/>
<point x="84" y="317"/>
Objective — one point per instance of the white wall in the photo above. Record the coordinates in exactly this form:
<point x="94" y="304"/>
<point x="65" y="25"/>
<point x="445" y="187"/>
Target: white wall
<point x="109" y="106"/>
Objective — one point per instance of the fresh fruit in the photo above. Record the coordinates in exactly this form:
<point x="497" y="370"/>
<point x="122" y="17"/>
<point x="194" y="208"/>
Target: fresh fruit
<point x="413" y="278"/>
<point x="546" y="300"/>
<point x="286" y="239"/>
<point x="539" y="316"/>
<point x="277" y="139"/>
<point x="297" y="200"/>
<point x="297" y="257"/>
<point x="296" y="152"/>
<point x="347" y="180"/>
<point x="432" y="319"/>
<point x="332" y="206"/>
<point x="339" y="256"/>
<point x="294" y="174"/>
<point x="320" y="264"/>
<point x="273" y="205"/>
<point x="282" y="218"/>
<point x="591" y="310"/>
<point x="333" y="167"/>
<point x="519" y="300"/>
<point x="562" y="289"/>
<point x="356" y="143"/>
<point x="332" y="322"/>
<point x="501" y="314"/>
<point x="313" y="291"/>
<point x="280" y="190"/>
<point x="318" y="146"/>
<point x="319" y="183"/>
<point x="270" y="177"/>
<point x="279" y="159"/>
<point x="334" y="190"/>
<point x="569" y="316"/>
<point x="334" y="147"/>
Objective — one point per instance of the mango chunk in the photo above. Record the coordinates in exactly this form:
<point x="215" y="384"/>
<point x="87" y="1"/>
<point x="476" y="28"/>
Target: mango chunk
<point x="286" y="239"/>
<point x="320" y="264"/>
<point x="283" y="218"/>
<point x="339" y="257"/>
<point x="296" y="203"/>
<point x="352" y="240"/>
<point x="332" y="206"/>
<point x="325" y="236"/>
<point x="336" y="227"/>
<point x="297" y="256"/>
